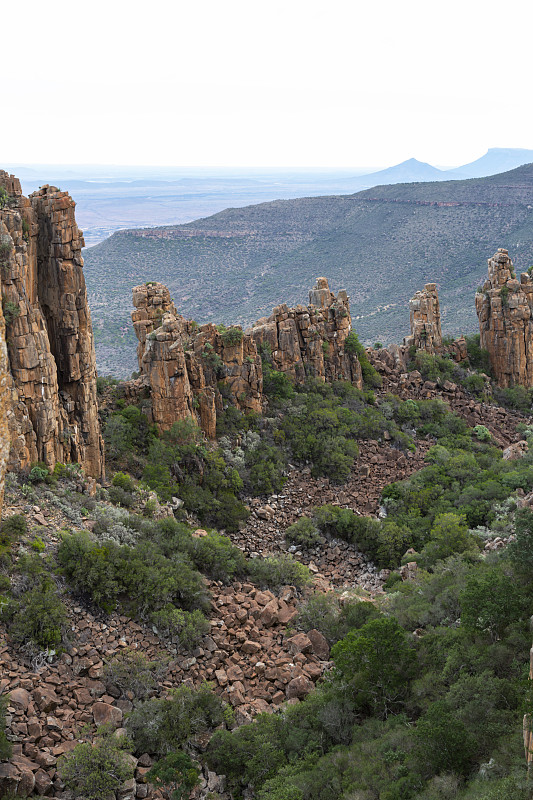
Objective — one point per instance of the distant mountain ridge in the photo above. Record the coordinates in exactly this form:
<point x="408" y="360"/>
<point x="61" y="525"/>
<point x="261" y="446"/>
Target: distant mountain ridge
<point x="381" y="245"/>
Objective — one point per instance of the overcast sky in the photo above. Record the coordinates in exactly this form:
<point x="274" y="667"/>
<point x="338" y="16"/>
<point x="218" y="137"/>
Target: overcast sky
<point x="276" y="83"/>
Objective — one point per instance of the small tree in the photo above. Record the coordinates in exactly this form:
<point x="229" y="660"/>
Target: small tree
<point x="94" y="771"/>
<point x="175" y="774"/>
<point x="378" y="660"/>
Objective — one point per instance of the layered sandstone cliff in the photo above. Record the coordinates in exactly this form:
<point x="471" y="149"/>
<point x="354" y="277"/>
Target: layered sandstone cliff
<point x="195" y="371"/>
<point x="504" y="307"/>
<point x="308" y="341"/>
<point x="5" y="404"/>
<point x="50" y="345"/>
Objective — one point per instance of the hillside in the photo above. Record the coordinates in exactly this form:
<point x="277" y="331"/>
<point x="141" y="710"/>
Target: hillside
<point x="381" y="244"/>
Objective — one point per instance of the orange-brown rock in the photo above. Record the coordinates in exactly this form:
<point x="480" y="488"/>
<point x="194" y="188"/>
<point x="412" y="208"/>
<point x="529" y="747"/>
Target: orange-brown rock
<point x="194" y="371"/>
<point x="505" y="311"/>
<point x="309" y="340"/>
<point x="190" y="369"/>
<point x="5" y="398"/>
<point x="53" y="415"/>
<point x="424" y="314"/>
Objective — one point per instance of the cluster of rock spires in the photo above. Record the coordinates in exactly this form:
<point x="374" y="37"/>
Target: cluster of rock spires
<point x="48" y="408"/>
<point x="48" y="370"/>
<point x="190" y="369"/>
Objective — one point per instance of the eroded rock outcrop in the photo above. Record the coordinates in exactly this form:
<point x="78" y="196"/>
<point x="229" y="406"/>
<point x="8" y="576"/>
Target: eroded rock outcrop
<point x="50" y="345"/>
<point x="505" y="311"/>
<point x="5" y="403"/>
<point x="309" y="340"/>
<point x="189" y="369"/>
<point x="424" y="312"/>
<point x="193" y="370"/>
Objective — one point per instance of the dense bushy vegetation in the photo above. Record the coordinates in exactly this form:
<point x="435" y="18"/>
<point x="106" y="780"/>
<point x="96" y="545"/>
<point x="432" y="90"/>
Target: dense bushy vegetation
<point x="33" y="612"/>
<point x="426" y="696"/>
<point x="429" y="716"/>
<point x="96" y="770"/>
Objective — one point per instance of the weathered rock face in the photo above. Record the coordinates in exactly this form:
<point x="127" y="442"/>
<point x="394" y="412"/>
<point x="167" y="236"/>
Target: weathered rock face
<point x="49" y="335"/>
<point x="424" y="312"/>
<point x="5" y="403"/>
<point x="309" y="340"/>
<point x="193" y="371"/>
<point x="505" y="312"/>
<point x="189" y="369"/>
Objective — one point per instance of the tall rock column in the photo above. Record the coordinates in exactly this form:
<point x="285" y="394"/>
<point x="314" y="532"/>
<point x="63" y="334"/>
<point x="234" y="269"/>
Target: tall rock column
<point x="424" y="314"/>
<point x="5" y="402"/>
<point x="504" y="307"/>
<point x="50" y="345"/>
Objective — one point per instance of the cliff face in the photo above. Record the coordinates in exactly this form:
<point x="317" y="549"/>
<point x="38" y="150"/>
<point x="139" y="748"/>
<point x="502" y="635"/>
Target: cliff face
<point x="309" y="340"/>
<point x="5" y="403"/>
<point x="194" y="371"/>
<point x="505" y="312"/>
<point x="49" y="336"/>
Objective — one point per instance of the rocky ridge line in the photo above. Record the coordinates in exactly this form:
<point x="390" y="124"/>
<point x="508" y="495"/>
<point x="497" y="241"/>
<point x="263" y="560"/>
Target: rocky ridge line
<point x="190" y="371"/>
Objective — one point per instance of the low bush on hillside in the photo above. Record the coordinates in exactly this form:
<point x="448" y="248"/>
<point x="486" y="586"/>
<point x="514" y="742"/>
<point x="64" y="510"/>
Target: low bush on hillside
<point x="325" y="613"/>
<point x="34" y="613"/>
<point x="94" y="770"/>
<point x="142" y="577"/>
<point x="130" y="671"/>
<point x="274" y="572"/>
<point x="161" y="726"/>
<point x="5" y="745"/>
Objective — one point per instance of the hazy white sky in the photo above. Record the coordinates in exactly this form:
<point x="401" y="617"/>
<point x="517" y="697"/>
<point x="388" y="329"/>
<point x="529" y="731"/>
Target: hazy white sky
<point x="277" y="83"/>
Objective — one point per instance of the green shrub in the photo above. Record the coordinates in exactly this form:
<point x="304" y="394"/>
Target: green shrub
<point x="38" y="545"/>
<point x="94" y="771"/>
<point x="232" y="336"/>
<point x="119" y="497"/>
<point x="142" y="576"/>
<point x="176" y="773"/>
<point x="123" y="481"/>
<point x="186" y="628"/>
<point x="353" y="346"/>
<point x="379" y="661"/>
<point x="38" y="616"/>
<point x="482" y="433"/>
<point x="448" y="535"/>
<point x="490" y="602"/>
<point x="276" y="385"/>
<point x="277" y="571"/>
<point x="5" y="744"/>
<point x="38" y="473"/>
<point x="12" y="528"/>
<point x="303" y="533"/>
<point x="333" y="619"/>
<point x="443" y="744"/>
<point x="10" y="310"/>
<point x="161" y="726"/>
<point x="217" y="557"/>
<point x="132" y="672"/>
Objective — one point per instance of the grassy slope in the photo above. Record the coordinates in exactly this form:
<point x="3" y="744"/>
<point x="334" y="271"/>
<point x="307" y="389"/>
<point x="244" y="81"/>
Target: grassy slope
<point x="381" y="245"/>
